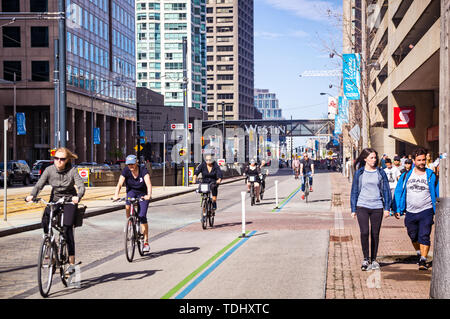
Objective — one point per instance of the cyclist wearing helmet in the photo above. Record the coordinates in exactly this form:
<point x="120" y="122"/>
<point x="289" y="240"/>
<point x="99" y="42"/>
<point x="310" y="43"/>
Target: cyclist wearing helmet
<point x="138" y="184"/>
<point x="211" y="173"/>
<point x="253" y="170"/>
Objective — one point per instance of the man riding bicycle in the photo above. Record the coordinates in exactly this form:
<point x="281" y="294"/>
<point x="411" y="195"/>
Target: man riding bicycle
<point x="211" y="174"/>
<point x="296" y="166"/>
<point x="253" y="170"/>
<point x="138" y="184"/>
<point x="306" y="171"/>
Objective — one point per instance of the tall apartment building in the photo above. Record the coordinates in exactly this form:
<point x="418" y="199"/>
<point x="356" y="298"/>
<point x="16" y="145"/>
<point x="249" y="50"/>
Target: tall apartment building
<point x="267" y="103"/>
<point x="404" y="93"/>
<point x="160" y="28"/>
<point x="100" y="55"/>
<point x="230" y="59"/>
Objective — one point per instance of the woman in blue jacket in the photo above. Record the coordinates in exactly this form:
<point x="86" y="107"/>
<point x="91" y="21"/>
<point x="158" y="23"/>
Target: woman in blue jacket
<point x="370" y="196"/>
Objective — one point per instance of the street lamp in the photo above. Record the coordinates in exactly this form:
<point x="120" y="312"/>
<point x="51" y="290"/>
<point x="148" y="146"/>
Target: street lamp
<point x="326" y="94"/>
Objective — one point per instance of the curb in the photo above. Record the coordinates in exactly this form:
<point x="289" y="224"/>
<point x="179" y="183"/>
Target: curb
<point x="34" y="226"/>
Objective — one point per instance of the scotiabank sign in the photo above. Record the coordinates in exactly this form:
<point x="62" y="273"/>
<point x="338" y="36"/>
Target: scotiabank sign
<point x="404" y="117"/>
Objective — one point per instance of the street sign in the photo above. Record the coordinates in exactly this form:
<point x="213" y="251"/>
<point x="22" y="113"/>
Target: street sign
<point x="180" y="126"/>
<point x="84" y="174"/>
<point x="136" y="147"/>
<point x="52" y="152"/>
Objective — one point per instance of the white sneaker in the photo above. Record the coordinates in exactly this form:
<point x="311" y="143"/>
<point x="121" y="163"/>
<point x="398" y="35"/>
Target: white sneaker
<point x="374" y="266"/>
<point x="146" y="248"/>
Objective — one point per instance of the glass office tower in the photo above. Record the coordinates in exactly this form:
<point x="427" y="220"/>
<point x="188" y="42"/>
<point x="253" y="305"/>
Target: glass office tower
<point x="160" y="28"/>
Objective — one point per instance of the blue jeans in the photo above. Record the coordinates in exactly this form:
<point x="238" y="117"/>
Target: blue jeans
<point x="304" y="180"/>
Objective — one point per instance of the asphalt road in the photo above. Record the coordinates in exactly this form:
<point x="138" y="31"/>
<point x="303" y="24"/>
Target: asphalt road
<point x="283" y="256"/>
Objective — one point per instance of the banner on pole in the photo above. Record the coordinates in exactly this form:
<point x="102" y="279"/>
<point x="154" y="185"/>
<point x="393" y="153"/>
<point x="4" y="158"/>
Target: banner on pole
<point x="96" y="135"/>
<point x="352" y="75"/>
<point x="21" y="128"/>
<point x="343" y="109"/>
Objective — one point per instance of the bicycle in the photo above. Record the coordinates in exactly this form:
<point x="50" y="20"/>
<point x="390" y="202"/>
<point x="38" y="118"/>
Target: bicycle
<point x="133" y="234"/>
<point x="307" y="186"/>
<point x="207" y="215"/>
<point x="262" y="177"/>
<point x="252" y="180"/>
<point x="53" y="252"/>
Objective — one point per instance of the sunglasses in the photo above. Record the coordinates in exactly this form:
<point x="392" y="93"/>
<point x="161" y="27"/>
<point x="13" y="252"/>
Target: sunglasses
<point x="59" y="158"/>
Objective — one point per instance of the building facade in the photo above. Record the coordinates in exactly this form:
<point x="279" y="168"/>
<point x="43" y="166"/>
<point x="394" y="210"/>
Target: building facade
<point x="267" y="103"/>
<point x="160" y="28"/>
<point x="100" y="75"/>
<point x="404" y="40"/>
<point x="230" y="55"/>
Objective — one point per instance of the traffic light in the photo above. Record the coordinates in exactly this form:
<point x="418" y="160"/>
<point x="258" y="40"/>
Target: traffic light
<point x="182" y="152"/>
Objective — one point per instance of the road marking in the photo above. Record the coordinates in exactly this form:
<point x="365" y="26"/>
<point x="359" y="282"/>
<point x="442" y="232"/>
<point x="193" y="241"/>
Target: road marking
<point x="198" y="270"/>
<point x="188" y="289"/>
<point x="287" y="199"/>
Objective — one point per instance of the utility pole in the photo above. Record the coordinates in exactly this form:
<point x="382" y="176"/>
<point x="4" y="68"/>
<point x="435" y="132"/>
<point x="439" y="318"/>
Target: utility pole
<point x="62" y="73"/>
<point x="14" y="157"/>
<point x="186" y="114"/>
<point x="223" y="128"/>
<point x="56" y="94"/>
<point x="440" y="279"/>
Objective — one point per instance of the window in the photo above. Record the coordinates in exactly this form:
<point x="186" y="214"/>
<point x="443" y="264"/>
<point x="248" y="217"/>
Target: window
<point x="11" y="37"/>
<point x="40" y="71"/>
<point x="11" y="67"/>
<point x="10" y="6"/>
<point x="38" y="5"/>
<point x="39" y="37"/>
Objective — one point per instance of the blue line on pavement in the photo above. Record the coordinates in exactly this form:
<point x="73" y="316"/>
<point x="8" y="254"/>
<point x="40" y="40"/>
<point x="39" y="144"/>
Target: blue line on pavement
<point x="214" y="266"/>
<point x="289" y="199"/>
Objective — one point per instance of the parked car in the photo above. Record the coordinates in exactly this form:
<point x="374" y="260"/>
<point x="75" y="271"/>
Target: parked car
<point x="18" y="172"/>
<point x="39" y="168"/>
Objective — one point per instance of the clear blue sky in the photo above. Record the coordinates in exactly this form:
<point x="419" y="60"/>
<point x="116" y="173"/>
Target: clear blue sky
<point x="292" y="36"/>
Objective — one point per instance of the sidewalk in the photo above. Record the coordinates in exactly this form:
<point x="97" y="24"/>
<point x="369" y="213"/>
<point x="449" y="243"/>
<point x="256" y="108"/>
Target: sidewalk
<point x="24" y="217"/>
<point x="399" y="277"/>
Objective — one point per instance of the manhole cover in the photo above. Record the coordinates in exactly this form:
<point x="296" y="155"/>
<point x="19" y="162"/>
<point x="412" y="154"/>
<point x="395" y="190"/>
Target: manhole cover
<point x="341" y="238"/>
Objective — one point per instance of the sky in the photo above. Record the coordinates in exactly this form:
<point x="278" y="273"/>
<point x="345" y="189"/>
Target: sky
<point x="293" y="36"/>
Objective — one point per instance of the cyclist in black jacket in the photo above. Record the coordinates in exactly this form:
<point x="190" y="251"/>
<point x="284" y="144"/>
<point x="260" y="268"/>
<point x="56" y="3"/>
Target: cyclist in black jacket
<point x="253" y="170"/>
<point x="211" y="173"/>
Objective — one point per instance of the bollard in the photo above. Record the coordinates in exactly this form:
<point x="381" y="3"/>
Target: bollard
<point x="243" y="213"/>
<point x="276" y="194"/>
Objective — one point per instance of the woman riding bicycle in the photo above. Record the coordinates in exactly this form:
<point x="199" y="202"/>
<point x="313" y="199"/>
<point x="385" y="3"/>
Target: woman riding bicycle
<point x="253" y="170"/>
<point x="211" y="173"/>
<point x="63" y="178"/>
<point x="138" y="184"/>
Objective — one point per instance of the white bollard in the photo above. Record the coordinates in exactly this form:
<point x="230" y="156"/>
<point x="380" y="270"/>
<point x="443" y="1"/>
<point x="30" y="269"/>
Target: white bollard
<point x="276" y="193"/>
<point x="243" y="194"/>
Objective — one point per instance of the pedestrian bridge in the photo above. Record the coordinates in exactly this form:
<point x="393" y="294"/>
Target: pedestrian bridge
<point x="293" y="128"/>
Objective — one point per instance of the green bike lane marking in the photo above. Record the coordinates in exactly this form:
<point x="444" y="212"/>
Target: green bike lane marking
<point x="175" y="289"/>
<point x="280" y="206"/>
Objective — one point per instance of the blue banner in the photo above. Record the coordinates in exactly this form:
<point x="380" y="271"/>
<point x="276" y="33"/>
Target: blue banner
<point x="96" y="135"/>
<point x="21" y="128"/>
<point x="337" y="124"/>
<point x="352" y="76"/>
<point x="142" y="133"/>
<point x="343" y="109"/>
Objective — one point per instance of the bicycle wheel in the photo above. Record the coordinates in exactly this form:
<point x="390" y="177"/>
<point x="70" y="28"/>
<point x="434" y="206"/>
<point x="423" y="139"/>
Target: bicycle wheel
<point x="130" y="239"/>
<point x="64" y="258"/>
<point x="204" y="214"/>
<point x="45" y="267"/>
<point x="210" y="215"/>
<point x="252" y="195"/>
<point x="140" y="239"/>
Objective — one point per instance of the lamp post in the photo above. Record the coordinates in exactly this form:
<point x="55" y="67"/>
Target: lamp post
<point x="223" y="128"/>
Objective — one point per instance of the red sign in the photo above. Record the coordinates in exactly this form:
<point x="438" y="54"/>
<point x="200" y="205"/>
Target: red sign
<point x="404" y="117"/>
<point x="433" y="133"/>
<point x="221" y="162"/>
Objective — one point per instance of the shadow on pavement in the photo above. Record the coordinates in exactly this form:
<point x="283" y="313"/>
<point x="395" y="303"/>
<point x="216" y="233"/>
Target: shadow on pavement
<point x="85" y="284"/>
<point x="230" y="224"/>
<point x="152" y="255"/>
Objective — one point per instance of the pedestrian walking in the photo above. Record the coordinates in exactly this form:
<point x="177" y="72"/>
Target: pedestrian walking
<point x="407" y="166"/>
<point x="415" y="196"/>
<point x="370" y="197"/>
<point x="393" y="174"/>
